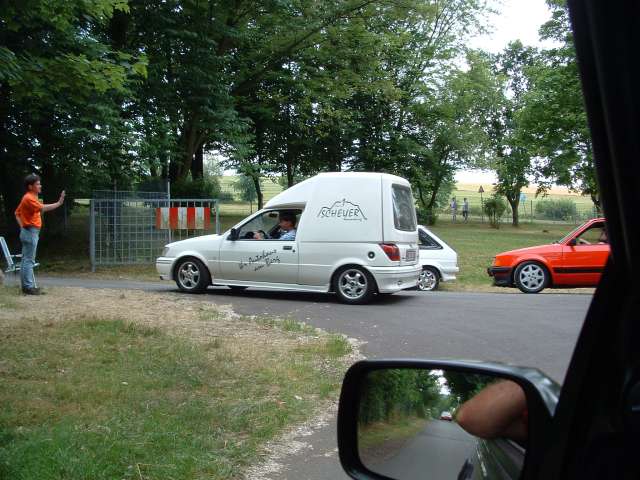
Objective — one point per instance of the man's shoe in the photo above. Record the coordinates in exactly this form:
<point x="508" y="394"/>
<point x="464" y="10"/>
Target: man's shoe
<point x="31" y="291"/>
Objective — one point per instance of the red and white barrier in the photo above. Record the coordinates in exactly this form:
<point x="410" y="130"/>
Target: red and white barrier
<point x="183" y="218"/>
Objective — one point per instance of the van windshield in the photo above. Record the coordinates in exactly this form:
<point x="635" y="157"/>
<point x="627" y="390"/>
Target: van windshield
<point x="404" y="211"/>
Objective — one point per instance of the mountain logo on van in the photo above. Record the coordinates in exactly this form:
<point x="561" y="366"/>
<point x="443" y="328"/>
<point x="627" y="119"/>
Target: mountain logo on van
<point x="343" y="209"/>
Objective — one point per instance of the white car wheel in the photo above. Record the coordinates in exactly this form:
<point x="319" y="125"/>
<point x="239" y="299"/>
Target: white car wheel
<point x="428" y="280"/>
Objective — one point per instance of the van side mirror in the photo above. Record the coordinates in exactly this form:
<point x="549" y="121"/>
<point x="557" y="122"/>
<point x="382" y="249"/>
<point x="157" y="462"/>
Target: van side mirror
<point x="233" y="234"/>
<point x="413" y="419"/>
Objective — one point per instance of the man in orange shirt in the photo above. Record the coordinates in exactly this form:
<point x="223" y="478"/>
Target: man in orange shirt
<point x="28" y="216"/>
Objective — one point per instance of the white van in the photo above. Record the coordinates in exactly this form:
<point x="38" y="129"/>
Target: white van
<point x="354" y="234"/>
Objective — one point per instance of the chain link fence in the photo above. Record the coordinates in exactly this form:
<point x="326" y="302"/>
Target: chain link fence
<point x="568" y="209"/>
<point x="133" y="227"/>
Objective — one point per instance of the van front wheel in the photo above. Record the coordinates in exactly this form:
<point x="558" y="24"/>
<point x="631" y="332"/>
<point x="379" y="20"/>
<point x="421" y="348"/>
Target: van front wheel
<point x="192" y="276"/>
<point x="354" y="285"/>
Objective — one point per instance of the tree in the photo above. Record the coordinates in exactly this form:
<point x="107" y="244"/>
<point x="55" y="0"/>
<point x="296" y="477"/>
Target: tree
<point x="58" y="82"/>
<point x="447" y="130"/>
<point x="513" y="154"/>
<point x="554" y="116"/>
<point x="245" y="186"/>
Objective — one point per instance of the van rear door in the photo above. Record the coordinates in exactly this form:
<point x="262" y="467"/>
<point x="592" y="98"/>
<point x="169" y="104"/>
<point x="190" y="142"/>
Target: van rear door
<point x="400" y="225"/>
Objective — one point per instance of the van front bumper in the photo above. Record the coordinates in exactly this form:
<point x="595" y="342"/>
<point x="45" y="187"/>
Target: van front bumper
<point x="164" y="267"/>
<point x="394" y="279"/>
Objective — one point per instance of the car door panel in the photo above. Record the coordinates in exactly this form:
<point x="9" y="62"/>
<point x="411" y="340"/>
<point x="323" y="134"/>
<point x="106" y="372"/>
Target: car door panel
<point x="582" y="264"/>
<point x="269" y="261"/>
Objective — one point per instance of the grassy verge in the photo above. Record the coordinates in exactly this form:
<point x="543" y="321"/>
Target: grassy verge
<point x="9" y="298"/>
<point x="379" y="441"/>
<point x="193" y="394"/>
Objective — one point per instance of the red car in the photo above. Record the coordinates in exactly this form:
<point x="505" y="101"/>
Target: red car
<point x="577" y="260"/>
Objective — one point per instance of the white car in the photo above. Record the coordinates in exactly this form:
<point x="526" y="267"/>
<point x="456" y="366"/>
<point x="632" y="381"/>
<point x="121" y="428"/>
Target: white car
<point x="439" y="261"/>
<point x="354" y="234"/>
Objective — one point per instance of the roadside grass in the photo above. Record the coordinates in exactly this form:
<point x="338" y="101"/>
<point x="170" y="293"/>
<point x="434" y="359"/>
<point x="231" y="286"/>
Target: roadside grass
<point x="381" y="440"/>
<point x="103" y="398"/>
<point x="9" y="297"/>
<point x="379" y="433"/>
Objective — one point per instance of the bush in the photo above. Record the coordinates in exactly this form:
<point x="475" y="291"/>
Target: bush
<point x="495" y="207"/>
<point x="563" y="209"/>
<point x="426" y="216"/>
<point x="199" y="188"/>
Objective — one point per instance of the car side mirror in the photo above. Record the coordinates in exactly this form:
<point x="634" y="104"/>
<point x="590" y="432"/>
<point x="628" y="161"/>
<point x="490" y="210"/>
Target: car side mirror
<point x="233" y="234"/>
<point x="573" y="242"/>
<point x="408" y="419"/>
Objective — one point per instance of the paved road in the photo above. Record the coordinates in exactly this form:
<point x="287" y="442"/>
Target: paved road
<point x="534" y="330"/>
<point x="438" y="452"/>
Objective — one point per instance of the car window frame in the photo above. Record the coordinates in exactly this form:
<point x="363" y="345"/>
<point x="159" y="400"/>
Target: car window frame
<point x="437" y="245"/>
<point x="298" y="213"/>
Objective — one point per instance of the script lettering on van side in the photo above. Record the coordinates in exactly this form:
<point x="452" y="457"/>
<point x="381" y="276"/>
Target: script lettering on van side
<point x="269" y="257"/>
<point x="343" y="209"/>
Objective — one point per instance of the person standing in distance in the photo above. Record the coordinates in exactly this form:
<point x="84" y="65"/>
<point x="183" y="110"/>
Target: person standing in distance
<point x="465" y="210"/>
<point x="454" y="209"/>
<point x="28" y="216"/>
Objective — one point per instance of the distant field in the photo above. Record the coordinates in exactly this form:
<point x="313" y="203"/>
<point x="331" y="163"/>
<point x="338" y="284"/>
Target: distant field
<point x="470" y="191"/>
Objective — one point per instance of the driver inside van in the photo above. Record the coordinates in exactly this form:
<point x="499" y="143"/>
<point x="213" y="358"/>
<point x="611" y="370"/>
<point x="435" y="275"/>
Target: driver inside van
<point x="287" y="227"/>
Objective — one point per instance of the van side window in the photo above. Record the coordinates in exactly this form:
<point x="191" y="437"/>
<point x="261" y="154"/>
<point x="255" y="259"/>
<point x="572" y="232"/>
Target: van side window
<point x="426" y="241"/>
<point x="404" y="212"/>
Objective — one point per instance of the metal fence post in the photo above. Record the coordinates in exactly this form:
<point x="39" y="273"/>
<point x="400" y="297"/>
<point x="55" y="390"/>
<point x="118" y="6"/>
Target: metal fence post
<point x="217" y="207"/>
<point x="531" y="211"/>
<point x="92" y="235"/>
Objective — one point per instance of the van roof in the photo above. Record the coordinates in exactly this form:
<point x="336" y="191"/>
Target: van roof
<point x="299" y="194"/>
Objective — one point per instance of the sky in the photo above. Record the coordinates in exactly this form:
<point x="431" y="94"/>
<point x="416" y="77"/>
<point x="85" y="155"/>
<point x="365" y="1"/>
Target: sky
<point x="517" y="20"/>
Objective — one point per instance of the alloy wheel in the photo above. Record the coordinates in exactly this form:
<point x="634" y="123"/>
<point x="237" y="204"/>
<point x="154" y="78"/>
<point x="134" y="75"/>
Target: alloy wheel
<point x="189" y="275"/>
<point x="353" y="284"/>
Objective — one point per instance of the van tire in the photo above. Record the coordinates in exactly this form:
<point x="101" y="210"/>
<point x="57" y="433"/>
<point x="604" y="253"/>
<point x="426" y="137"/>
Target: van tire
<point x="354" y="285"/>
<point x="191" y="275"/>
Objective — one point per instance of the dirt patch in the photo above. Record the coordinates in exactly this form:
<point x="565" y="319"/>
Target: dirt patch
<point x="178" y="314"/>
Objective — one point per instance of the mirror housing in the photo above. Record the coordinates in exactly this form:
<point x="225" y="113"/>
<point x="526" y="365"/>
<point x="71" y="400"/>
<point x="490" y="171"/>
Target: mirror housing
<point x="233" y="234"/>
<point x="541" y="394"/>
<point x="573" y="242"/>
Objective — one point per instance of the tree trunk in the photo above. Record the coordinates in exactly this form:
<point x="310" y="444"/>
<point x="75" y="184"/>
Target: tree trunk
<point x="197" y="166"/>
<point x="256" y="184"/>
<point x="189" y="140"/>
<point x="290" y="179"/>
<point x="515" y="203"/>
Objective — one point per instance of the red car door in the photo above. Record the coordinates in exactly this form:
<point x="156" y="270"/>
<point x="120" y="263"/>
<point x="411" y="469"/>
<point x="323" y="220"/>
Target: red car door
<point x="584" y="257"/>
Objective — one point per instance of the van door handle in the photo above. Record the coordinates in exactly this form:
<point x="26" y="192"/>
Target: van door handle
<point x="288" y="247"/>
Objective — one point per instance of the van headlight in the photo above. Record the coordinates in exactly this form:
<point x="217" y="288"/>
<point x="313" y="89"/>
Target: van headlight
<point x="165" y="251"/>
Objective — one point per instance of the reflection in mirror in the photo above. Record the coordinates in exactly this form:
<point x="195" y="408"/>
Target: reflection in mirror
<point x="435" y="424"/>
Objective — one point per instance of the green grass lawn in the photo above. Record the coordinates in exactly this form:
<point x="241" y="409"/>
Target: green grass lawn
<point x="93" y="397"/>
